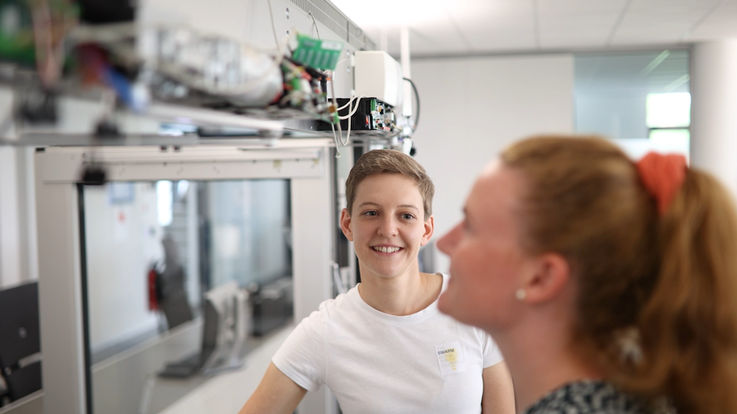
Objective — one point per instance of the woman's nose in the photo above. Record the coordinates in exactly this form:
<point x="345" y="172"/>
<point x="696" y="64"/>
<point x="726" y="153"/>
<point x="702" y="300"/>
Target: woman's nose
<point x="448" y="242"/>
<point x="388" y="226"/>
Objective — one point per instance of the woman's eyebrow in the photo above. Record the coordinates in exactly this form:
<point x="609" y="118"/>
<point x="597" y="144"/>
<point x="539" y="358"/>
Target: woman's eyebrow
<point x="371" y="203"/>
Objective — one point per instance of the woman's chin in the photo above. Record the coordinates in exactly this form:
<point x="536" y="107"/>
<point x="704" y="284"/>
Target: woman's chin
<point x="444" y="303"/>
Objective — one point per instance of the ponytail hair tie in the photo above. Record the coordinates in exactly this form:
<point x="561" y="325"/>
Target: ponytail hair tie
<point x="662" y="175"/>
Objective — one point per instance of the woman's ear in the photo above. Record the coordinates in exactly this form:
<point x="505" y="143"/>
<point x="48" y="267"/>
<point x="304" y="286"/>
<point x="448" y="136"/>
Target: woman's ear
<point x="345" y="224"/>
<point x="550" y="277"/>
<point x="429" y="230"/>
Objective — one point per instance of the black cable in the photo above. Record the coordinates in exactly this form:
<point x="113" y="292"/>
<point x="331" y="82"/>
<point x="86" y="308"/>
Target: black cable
<point x="417" y="101"/>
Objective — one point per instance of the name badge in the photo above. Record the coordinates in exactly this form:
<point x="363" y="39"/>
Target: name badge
<point x="450" y="358"/>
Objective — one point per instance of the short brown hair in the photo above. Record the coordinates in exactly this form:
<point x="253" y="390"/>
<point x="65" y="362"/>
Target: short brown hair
<point x="389" y="162"/>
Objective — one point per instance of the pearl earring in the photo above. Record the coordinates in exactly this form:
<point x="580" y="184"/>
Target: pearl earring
<point x="520" y="294"/>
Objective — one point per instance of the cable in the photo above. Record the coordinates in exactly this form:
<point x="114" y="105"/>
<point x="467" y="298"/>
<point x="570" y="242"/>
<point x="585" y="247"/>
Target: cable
<point x="335" y="104"/>
<point x="273" y="27"/>
<point x="351" y="110"/>
<point x="350" y="117"/>
<point x="332" y="126"/>
<point x="347" y="103"/>
<point x="417" y="100"/>
<point x="314" y="23"/>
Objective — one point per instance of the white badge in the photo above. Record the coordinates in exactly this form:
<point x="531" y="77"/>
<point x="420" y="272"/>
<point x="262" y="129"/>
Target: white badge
<point x="450" y="358"/>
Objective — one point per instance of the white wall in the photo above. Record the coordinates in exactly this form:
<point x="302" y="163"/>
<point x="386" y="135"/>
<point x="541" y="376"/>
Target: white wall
<point x="473" y="107"/>
<point x="714" y="110"/>
<point x="123" y="240"/>
<point x="17" y="204"/>
<point x="10" y="265"/>
<point x="17" y="217"/>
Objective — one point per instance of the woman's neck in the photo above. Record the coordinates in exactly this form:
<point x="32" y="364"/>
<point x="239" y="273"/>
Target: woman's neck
<point x="401" y="295"/>
<point x="540" y="361"/>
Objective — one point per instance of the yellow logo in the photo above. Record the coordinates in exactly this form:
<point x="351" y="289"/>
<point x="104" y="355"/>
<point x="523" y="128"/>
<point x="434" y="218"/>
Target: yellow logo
<point x="451" y="357"/>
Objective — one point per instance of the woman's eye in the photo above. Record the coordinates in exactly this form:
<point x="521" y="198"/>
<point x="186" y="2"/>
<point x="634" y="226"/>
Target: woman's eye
<point x="369" y="213"/>
<point x="408" y="216"/>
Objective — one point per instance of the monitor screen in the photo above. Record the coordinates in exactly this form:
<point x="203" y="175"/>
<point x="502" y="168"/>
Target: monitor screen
<point x="19" y="325"/>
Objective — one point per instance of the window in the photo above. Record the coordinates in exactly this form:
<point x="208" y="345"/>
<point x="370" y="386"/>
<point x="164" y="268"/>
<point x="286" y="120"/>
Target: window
<point x="639" y="99"/>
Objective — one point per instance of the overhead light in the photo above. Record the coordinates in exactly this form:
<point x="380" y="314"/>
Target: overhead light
<point x="657" y="60"/>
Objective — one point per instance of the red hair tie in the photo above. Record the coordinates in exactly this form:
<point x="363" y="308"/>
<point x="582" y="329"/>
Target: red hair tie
<point x="662" y="175"/>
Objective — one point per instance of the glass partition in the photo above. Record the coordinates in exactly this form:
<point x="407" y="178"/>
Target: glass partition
<point x="641" y="99"/>
<point x="177" y="275"/>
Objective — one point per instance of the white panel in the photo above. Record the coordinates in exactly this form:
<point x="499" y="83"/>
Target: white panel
<point x="666" y="6"/>
<point x="572" y="33"/>
<point x="551" y="7"/>
<point x="312" y="217"/>
<point x="473" y="107"/>
<point x="442" y="37"/>
<point x="10" y="246"/>
<point x="495" y="25"/>
<point x="60" y="298"/>
<point x="517" y="38"/>
<point x="659" y="21"/>
<point x="719" y="24"/>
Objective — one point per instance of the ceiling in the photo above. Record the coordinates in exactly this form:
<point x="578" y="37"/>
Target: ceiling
<point x="479" y="27"/>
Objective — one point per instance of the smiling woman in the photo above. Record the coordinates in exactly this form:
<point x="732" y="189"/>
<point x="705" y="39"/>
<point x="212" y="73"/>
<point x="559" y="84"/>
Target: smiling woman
<point x="383" y="347"/>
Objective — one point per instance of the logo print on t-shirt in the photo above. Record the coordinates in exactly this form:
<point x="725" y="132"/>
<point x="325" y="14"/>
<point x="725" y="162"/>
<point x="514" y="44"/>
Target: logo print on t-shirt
<point x="449" y="358"/>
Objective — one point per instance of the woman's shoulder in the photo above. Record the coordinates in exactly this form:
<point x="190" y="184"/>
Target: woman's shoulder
<point x="340" y="303"/>
<point x="593" y="397"/>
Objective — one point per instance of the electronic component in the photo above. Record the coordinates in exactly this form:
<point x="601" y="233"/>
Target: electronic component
<point x="316" y="53"/>
<point x="377" y="74"/>
<point x="16" y="32"/>
<point x="369" y="114"/>
<point x="304" y="88"/>
<point x="218" y="66"/>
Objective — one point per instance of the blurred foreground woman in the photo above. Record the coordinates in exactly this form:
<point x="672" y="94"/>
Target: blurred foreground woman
<point x="609" y="285"/>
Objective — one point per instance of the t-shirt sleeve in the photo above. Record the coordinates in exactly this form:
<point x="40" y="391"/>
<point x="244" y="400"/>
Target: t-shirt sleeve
<point x="492" y="355"/>
<point x="301" y="356"/>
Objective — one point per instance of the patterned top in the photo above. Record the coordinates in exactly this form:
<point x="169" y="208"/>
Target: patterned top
<point x="592" y="397"/>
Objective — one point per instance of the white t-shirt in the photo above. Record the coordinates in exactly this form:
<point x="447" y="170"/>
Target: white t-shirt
<point x="379" y="363"/>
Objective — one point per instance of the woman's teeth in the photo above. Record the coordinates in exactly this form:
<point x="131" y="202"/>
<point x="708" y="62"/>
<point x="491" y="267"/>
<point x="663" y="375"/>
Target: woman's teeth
<point x="386" y="249"/>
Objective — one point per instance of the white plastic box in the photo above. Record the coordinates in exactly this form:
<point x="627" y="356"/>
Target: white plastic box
<point x="378" y="75"/>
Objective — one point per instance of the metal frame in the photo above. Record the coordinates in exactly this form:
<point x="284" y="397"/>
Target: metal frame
<point x="308" y="166"/>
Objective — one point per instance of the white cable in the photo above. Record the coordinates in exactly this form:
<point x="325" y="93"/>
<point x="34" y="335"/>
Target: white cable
<point x="352" y="111"/>
<point x="347" y="103"/>
<point x="335" y="103"/>
<point x="332" y="127"/>
<point x="348" y="134"/>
